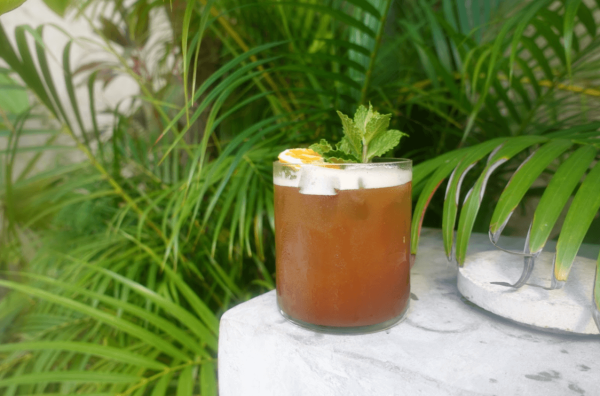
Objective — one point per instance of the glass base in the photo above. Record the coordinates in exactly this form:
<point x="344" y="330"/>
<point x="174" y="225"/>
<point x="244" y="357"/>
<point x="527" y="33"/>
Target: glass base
<point x="347" y="330"/>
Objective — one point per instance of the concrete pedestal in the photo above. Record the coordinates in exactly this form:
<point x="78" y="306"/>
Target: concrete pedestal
<point x="446" y="346"/>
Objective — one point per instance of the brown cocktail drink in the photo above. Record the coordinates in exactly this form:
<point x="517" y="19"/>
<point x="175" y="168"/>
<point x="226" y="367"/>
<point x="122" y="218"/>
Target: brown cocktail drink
<point x="343" y="244"/>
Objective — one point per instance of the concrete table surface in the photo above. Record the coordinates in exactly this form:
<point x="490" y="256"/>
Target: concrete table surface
<point x="445" y="346"/>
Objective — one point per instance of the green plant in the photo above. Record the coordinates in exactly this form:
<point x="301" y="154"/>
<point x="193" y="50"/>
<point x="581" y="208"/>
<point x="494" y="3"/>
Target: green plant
<point x="518" y="63"/>
<point x="366" y="136"/>
<point x="8" y="5"/>
<point x="121" y="264"/>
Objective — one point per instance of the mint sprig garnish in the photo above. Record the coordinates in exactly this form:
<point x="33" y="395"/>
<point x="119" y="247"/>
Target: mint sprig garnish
<point x="365" y="137"/>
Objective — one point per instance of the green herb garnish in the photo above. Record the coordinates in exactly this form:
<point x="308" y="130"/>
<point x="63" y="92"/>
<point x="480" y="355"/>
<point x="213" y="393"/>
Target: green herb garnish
<point x="365" y="137"/>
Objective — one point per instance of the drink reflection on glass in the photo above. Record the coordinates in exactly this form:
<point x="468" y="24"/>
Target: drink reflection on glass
<point x="343" y="244"/>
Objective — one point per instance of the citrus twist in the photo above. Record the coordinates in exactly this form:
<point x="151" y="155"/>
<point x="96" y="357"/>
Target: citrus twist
<point x="300" y="156"/>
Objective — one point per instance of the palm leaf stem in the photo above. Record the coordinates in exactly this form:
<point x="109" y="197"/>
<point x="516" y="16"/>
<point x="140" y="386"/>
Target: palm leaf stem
<point x="60" y="327"/>
<point x="369" y="72"/>
<point x="31" y="163"/>
<point x="525" y="80"/>
<point x="13" y="362"/>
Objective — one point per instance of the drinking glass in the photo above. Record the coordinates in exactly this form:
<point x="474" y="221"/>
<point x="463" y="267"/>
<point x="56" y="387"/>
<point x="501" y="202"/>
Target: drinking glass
<point x="342" y="234"/>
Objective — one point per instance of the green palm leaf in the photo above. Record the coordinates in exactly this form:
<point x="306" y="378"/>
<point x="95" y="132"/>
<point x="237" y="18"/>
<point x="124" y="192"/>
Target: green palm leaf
<point x="579" y="217"/>
<point x="208" y="386"/>
<point x="556" y="195"/>
<point x="70" y="376"/>
<point x="475" y="195"/>
<point x="86" y="348"/>
<point x="583" y="209"/>
<point x="185" y="385"/>
<point x="453" y="189"/>
<point x="99" y="315"/>
<point x="521" y="181"/>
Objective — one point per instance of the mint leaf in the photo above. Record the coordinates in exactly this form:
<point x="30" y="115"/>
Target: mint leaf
<point x="353" y="137"/>
<point x="330" y="155"/>
<point x="322" y="147"/>
<point x="344" y="145"/>
<point x="384" y="142"/>
<point x="362" y="115"/>
<point x="365" y="137"/>
<point x="370" y="123"/>
<point x="340" y="157"/>
<point x="377" y="124"/>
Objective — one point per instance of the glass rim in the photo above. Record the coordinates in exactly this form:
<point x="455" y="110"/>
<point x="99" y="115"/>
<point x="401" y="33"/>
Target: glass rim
<point x="378" y="161"/>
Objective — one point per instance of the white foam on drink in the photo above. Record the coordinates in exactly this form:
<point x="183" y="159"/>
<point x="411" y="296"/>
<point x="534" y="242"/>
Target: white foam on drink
<point x="319" y="180"/>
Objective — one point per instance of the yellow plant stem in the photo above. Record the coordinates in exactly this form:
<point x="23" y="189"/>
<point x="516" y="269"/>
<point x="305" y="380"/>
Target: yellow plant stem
<point x="6" y="366"/>
<point x="545" y="83"/>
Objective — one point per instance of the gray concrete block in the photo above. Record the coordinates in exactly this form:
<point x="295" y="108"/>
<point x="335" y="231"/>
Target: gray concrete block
<point x="446" y="346"/>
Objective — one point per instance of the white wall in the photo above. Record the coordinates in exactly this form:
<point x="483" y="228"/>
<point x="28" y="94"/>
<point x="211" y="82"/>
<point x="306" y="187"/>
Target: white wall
<point x="35" y="13"/>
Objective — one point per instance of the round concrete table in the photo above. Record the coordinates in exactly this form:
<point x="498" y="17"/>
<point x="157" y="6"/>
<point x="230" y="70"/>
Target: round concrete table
<point x="446" y="346"/>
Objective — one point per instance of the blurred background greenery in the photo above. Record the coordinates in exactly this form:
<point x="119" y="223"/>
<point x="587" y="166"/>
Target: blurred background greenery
<point x="155" y="214"/>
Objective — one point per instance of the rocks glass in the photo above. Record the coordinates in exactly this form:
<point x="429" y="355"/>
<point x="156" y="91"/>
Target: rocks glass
<point x="343" y="244"/>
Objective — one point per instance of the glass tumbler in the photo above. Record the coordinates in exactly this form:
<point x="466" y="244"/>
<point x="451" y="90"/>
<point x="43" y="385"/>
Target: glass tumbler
<point x="342" y="234"/>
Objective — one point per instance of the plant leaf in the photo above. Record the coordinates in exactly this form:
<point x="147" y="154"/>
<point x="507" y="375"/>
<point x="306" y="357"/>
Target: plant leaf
<point x="118" y="354"/>
<point x="587" y="19"/>
<point x="451" y="200"/>
<point x="70" y="376"/>
<point x="522" y="180"/>
<point x="376" y="124"/>
<point x="557" y="194"/>
<point x="27" y="69"/>
<point x="475" y="195"/>
<point x="208" y="384"/>
<point x="384" y="142"/>
<point x="9" y="5"/>
<point x="99" y="315"/>
<point x="322" y="147"/>
<point x="568" y="30"/>
<point x="422" y="170"/>
<point x="162" y="386"/>
<point x="58" y="6"/>
<point x="518" y="34"/>
<point x="180" y="313"/>
<point x="579" y="217"/>
<point x="430" y="188"/>
<point x="362" y="115"/>
<point x="185" y="385"/>
<point x="351" y="143"/>
<point x="14" y="100"/>
<point x="340" y="157"/>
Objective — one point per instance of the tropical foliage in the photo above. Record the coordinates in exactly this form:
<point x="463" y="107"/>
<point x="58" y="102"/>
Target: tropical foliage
<point x="117" y="267"/>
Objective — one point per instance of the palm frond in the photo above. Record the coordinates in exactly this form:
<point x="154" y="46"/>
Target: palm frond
<point x="581" y="212"/>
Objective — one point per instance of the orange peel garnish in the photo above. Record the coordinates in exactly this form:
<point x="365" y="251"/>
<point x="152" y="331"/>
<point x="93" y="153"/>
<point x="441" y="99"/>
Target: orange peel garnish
<point x="300" y="156"/>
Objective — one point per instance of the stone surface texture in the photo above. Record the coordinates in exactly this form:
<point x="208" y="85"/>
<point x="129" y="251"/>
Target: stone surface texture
<point x="445" y="346"/>
<point x="567" y="309"/>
